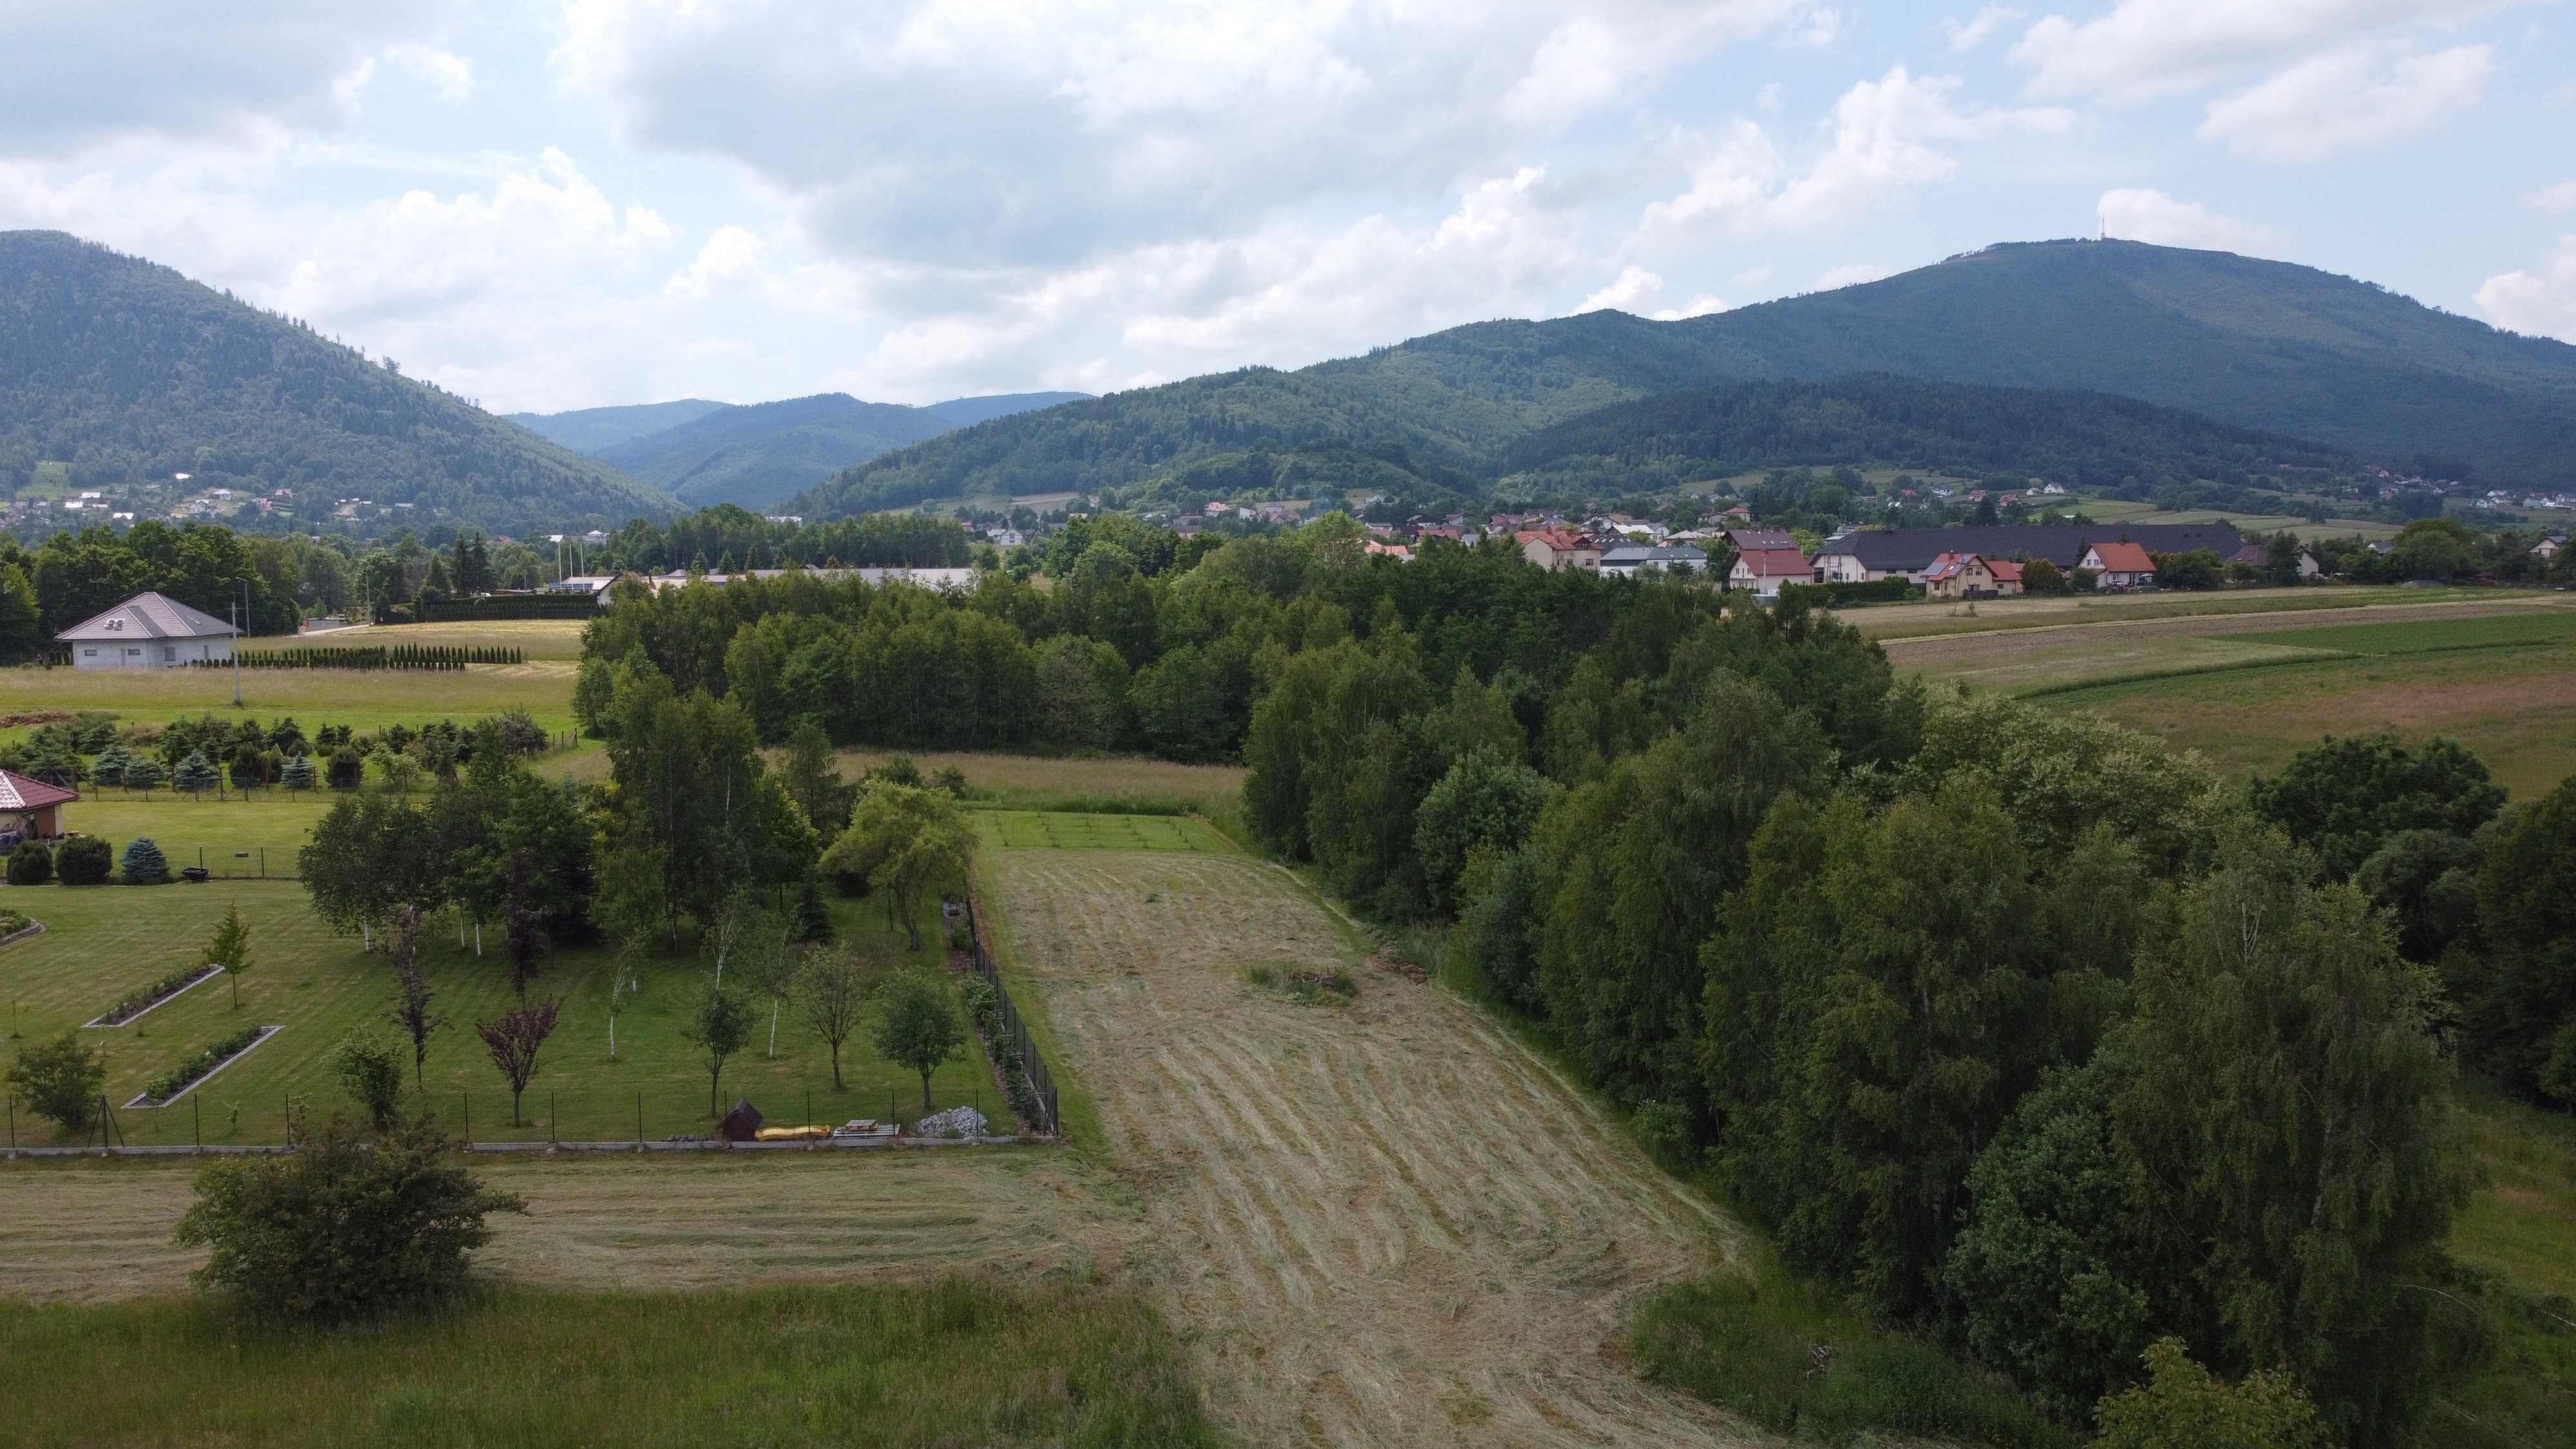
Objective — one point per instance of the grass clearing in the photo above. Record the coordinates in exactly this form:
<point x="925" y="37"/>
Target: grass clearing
<point x="557" y="639"/>
<point x="964" y="1361"/>
<point x="1031" y="830"/>
<point x="102" y="942"/>
<point x="1385" y="1223"/>
<point x="364" y="700"/>
<point x="1038" y="782"/>
<point x="90" y="1230"/>
<point x="2521" y="1228"/>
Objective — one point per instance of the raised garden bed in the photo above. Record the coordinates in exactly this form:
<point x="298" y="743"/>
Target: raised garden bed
<point x="139" y="1002"/>
<point x="189" y="1075"/>
<point x="15" y="927"/>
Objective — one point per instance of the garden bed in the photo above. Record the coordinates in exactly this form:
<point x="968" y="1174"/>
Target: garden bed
<point x="191" y="1074"/>
<point x="137" y="1003"/>
<point x="16" y="927"/>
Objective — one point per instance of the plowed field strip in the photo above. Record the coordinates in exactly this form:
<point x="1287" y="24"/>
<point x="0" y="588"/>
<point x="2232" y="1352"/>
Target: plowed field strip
<point x="1385" y="1222"/>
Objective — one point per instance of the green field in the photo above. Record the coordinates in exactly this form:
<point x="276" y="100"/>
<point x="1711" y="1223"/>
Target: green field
<point x="366" y="701"/>
<point x="1891" y="622"/>
<point x="104" y="941"/>
<point x="968" y="1361"/>
<point x="2121" y="510"/>
<point x="1029" y="830"/>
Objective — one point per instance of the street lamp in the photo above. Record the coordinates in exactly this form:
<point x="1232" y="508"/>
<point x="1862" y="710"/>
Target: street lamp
<point x="241" y="606"/>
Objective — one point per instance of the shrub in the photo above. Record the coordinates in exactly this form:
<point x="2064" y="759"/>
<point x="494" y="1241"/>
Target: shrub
<point x="30" y="864"/>
<point x="144" y="863"/>
<point x="84" y="860"/>
<point x="60" y="1079"/>
<point x="370" y="1068"/>
<point x="208" y="1057"/>
<point x="346" y="771"/>
<point x="339" y="1230"/>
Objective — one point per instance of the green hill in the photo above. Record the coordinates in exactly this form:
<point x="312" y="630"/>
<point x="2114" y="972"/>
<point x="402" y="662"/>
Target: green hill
<point x="1960" y="429"/>
<point x="129" y="372"/>
<point x="587" y="430"/>
<point x="2259" y="345"/>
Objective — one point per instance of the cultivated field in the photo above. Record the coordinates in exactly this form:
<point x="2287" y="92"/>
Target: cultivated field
<point x="365" y="700"/>
<point x="1892" y="622"/>
<point x="1380" y="1223"/>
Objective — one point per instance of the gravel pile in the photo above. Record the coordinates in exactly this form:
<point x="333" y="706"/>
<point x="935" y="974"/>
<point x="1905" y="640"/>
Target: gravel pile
<point x="955" y="1122"/>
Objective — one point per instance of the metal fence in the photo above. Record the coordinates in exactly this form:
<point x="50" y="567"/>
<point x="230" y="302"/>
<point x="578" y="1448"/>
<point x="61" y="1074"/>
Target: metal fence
<point x="210" y="1117"/>
<point x="1040" y="1079"/>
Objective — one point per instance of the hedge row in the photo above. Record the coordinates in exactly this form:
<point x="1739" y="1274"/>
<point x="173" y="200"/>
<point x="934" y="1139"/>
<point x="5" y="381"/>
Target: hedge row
<point x="377" y="656"/>
<point x="511" y="606"/>
<point x="1834" y="595"/>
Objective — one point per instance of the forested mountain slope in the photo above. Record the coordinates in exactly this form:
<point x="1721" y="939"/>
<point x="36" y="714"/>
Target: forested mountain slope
<point x="127" y="370"/>
<point x="1693" y="433"/>
<point x="760" y="454"/>
<point x="587" y="430"/>
<point x="2260" y="345"/>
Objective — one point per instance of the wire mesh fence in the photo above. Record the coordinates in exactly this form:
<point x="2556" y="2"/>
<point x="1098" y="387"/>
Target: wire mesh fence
<point x="1042" y="1106"/>
<point x="663" y="1114"/>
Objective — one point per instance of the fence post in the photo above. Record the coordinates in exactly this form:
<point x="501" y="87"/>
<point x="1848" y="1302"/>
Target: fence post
<point x="550" y="1119"/>
<point x="639" y="1121"/>
<point x="196" y="1124"/>
<point x="465" y="1101"/>
<point x="809" y="1108"/>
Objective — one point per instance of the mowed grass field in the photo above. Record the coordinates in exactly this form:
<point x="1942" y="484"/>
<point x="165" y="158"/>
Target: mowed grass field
<point x="365" y="700"/>
<point x="1892" y="622"/>
<point x="1033" y="830"/>
<point x="550" y="639"/>
<point x="1045" y="783"/>
<point x="2504" y="686"/>
<point x="967" y="1361"/>
<point x="1386" y="1222"/>
<point x="102" y="942"/>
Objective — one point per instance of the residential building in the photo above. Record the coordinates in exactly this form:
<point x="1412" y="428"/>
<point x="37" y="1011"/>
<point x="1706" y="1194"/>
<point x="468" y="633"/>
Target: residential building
<point x="148" y="631"/>
<point x="1630" y="559"/>
<point x="1558" y="548"/>
<point x="2119" y="564"/>
<point x="1764" y="570"/>
<point x="32" y="809"/>
<point x="2549" y="547"/>
<point x="1396" y="551"/>
<point x="1971" y="576"/>
<point x="1866" y="554"/>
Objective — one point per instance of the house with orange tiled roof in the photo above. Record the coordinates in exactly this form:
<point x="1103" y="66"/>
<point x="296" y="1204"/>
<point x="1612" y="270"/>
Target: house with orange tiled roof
<point x="1764" y="570"/>
<point x="1558" y="548"/>
<point x="1970" y="576"/>
<point x="2118" y="565"/>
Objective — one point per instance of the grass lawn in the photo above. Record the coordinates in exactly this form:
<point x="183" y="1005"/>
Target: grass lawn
<point x="2520" y="1226"/>
<point x="1037" y="782"/>
<point x="366" y="700"/>
<point x="963" y="1361"/>
<point x="1029" y="830"/>
<point x="103" y="941"/>
<point x="2503" y="686"/>
<point x="557" y="639"/>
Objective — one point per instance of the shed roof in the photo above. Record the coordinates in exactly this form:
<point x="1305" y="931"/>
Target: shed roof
<point x="148" y="616"/>
<point x="17" y="792"/>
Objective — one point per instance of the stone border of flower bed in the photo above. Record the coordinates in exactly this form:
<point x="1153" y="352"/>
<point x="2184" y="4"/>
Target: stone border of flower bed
<point x="34" y="928"/>
<point x="255" y="1043"/>
<point x="202" y="976"/>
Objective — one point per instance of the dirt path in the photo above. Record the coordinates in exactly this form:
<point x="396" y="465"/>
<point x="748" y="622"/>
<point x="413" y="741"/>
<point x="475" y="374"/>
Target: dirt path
<point x="1384" y="1223"/>
<point x="1956" y="649"/>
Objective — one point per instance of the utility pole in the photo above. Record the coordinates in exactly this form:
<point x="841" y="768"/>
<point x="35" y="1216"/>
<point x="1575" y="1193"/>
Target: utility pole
<point x="239" y="606"/>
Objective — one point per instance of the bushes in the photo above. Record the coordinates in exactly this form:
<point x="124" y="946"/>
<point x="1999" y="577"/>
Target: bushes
<point x="84" y="860"/>
<point x="346" y="770"/>
<point x="30" y="864"/>
<point x="339" y="1230"/>
<point x="60" y="1079"/>
<point x="214" y="1054"/>
<point x="397" y="656"/>
<point x="1835" y="595"/>
<point x="144" y="863"/>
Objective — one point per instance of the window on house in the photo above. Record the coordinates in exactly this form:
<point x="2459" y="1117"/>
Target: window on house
<point x="89" y="654"/>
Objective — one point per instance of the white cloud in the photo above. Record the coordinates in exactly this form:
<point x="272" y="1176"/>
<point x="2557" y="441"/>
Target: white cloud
<point x="1003" y="135"/>
<point x="449" y="75"/>
<point x="2542" y="301"/>
<point x="1885" y="139"/>
<point x="2553" y="199"/>
<point x="250" y="70"/>
<point x="1626" y="292"/>
<point x="2349" y="99"/>
<point x="2138" y="214"/>
<point x="1976" y="30"/>
<point x="2560" y="99"/>
<point x="2142" y="48"/>
<point x="1850" y="274"/>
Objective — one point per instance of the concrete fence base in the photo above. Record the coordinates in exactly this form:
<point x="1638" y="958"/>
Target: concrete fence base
<point x="630" y="1146"/>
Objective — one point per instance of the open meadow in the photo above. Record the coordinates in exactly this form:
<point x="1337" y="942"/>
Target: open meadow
<point x="1383" y="1221"/>
<point x="366" y="700"/>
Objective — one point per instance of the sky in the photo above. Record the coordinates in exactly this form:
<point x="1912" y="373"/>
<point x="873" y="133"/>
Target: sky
<point x="552" y="206"/>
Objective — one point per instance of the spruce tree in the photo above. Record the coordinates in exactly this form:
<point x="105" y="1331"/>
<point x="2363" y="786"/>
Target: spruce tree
<point x="196" y="774"/>
<point x="144" y="863"/>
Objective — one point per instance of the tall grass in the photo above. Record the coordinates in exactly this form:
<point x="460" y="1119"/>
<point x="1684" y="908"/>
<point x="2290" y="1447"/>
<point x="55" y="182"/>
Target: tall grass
<point x="1773" y="1351"/>
<point x="957" y="1362"/>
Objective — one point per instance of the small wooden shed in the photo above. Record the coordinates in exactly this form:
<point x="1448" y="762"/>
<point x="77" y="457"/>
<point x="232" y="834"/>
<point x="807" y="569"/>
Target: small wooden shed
<point x="742" y="1124"/>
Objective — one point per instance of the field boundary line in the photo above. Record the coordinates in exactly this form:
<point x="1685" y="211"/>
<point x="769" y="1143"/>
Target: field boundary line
<point x="2232" y="616"/>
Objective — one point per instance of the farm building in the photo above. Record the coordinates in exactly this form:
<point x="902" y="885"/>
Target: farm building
<point x="32" y="809"/>
<point x="148" y="631"/>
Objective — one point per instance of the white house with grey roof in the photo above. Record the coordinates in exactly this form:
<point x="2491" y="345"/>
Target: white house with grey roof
<point x="148" y="631"/>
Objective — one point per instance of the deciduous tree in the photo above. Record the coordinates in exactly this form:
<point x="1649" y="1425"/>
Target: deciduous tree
<point x="228" y="950"/>
<point x="918" y="1025"/>
<point x="514" y="1041"/>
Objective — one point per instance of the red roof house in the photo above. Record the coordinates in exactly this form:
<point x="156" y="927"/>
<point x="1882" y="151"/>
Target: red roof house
<point x="2120" y="565"/>
<point x="32" y="808"/>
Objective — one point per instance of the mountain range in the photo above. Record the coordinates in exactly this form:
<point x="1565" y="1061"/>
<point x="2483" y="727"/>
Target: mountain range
<point x="2259" y="345"/>
<point x="704" y="453"/>
<point x="128" y="371"/>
